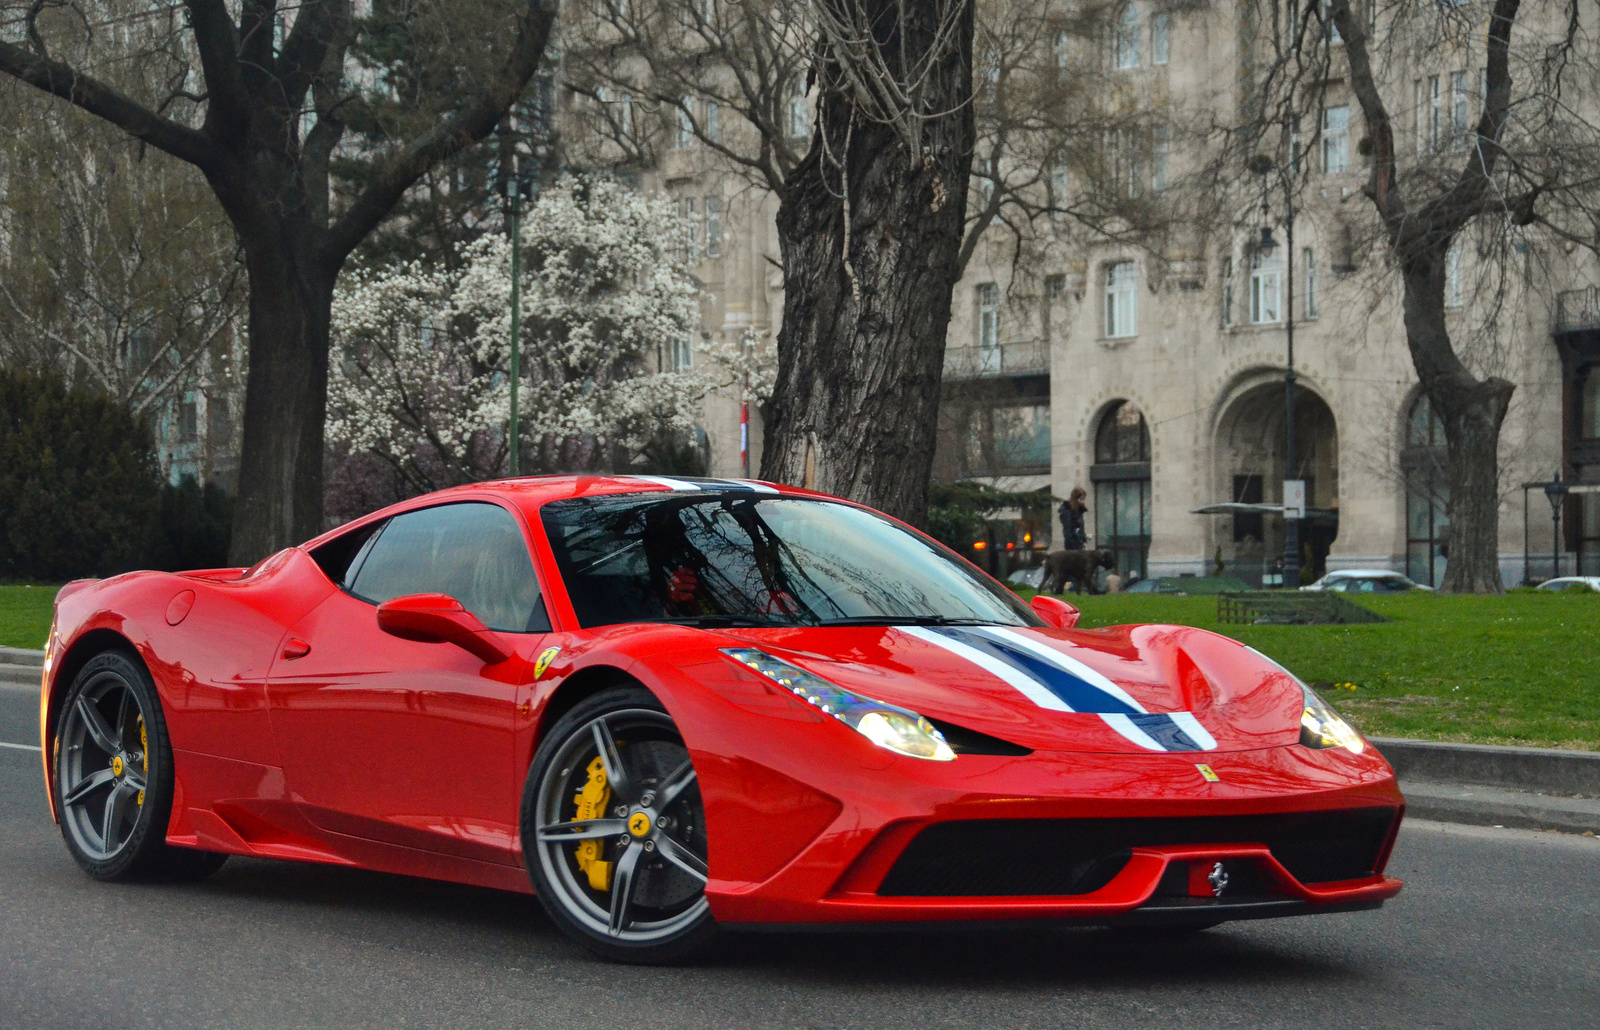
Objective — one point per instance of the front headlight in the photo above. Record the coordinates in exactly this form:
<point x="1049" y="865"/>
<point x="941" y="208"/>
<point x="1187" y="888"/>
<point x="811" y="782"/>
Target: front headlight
<point x="898" y="729"/>
<point x="1321" y="727"/>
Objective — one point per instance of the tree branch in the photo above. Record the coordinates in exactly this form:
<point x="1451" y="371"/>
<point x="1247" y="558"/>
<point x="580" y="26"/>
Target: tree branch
<point x="228" y="111"/>
<point x="401" y="170"/>
<point x="101" y="100"/>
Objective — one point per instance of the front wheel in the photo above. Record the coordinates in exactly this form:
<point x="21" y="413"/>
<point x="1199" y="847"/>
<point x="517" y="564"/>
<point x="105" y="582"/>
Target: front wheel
<point x="614" y="834"/>
<point x="113" y="776"/>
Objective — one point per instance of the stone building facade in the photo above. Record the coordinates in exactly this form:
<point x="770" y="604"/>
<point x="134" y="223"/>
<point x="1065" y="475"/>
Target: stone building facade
<point x="1157" y="381"/>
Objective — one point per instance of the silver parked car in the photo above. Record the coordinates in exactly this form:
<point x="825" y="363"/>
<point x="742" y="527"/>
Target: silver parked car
<point x="1366" y="581"/>
<point x="1563" y="582"/>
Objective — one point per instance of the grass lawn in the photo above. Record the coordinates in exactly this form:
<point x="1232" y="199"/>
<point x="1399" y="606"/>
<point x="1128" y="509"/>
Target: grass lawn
<point x="1521" y="669"/>
<point x="25" y="614"/>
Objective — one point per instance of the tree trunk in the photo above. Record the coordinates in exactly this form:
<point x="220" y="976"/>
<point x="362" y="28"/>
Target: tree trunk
<point x="1472" y="411"/>
<point x="861" y="348"/>
<point x="280" y="461"/>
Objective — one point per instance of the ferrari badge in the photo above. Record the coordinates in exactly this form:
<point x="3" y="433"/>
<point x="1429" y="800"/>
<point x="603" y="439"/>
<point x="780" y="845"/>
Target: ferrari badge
<point x="542" y="663"/>
<point x="1207" y="772"/>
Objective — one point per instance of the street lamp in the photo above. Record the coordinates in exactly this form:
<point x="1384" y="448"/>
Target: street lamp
<point x="1556" y="490"/>
<point x="1291" y="524"/>
<point x="513" y="187"/>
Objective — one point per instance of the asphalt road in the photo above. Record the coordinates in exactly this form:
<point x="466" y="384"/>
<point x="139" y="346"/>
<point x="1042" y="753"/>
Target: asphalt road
<point x="1496" y="928"/>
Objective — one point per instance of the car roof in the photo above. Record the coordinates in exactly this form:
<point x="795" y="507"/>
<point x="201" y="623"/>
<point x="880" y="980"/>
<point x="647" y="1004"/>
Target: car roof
<point x="1362" y="573"/>
<point x="529" y="493"/>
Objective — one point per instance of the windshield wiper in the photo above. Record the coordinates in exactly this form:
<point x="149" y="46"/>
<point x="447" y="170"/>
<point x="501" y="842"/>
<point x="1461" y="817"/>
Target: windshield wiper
<point x="902" y="620"/>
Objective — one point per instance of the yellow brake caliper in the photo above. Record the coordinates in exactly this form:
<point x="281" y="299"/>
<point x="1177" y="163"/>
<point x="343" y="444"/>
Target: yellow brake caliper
<point x="144" y="754"/>
<point x="592" y="801"/>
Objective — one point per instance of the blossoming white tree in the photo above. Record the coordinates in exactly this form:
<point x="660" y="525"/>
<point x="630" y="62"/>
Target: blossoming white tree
<point x="422" y="354"/>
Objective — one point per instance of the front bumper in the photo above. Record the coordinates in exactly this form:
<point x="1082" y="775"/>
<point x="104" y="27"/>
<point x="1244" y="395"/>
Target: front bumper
<point x="842" y="875"/>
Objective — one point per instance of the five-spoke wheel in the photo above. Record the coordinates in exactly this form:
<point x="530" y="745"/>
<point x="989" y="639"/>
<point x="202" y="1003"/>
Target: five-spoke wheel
<point x="614" y="830"/>
<point x="113" y="772"/>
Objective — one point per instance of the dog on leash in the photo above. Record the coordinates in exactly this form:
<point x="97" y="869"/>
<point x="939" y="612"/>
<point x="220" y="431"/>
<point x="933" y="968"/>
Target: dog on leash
<point x="1078" y="568"/>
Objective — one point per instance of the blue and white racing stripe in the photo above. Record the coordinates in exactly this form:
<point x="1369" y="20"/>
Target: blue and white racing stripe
<point x="710" y="485"/>
<point x="1061" y="683"/>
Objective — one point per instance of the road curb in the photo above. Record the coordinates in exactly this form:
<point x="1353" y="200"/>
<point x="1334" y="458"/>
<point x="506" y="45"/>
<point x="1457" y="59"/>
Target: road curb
<point x="1546" y="770"/>
<point x="22" y="656"/>
<point x="1485" y="785"/>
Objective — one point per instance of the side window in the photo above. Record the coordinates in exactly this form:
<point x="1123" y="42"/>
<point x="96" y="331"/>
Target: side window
<point x="473" y="552"/>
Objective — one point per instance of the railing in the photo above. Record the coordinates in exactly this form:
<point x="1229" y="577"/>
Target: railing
<point x="1006" y="359"/>
<point x="1578" y="309"/>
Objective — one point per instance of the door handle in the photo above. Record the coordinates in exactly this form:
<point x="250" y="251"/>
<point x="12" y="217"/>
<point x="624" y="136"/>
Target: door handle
<point x="294" y="648"/>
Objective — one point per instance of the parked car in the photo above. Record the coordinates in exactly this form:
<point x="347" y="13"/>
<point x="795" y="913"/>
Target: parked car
<point x="1568" y="582"/>
<point x="1366" y="581"/>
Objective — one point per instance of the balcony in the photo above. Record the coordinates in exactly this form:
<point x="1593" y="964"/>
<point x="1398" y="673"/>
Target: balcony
<point x="1007" y="359"/>
<point x="1577" y="310"/>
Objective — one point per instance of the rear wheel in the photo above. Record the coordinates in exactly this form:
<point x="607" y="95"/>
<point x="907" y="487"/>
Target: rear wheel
<point x="113" y="773"/>
<point x="613" y="830"/>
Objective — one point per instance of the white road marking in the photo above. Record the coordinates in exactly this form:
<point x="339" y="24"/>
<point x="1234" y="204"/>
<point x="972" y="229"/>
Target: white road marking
<point x="20" y="747"/>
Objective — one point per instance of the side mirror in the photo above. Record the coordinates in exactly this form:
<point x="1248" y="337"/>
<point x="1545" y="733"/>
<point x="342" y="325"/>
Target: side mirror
<point x="440" y="619"/>
<point x="1055" y="611"/>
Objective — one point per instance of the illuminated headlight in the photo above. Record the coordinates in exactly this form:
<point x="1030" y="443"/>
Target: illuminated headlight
<point x="1321" y="727"/>
<point x="900" y="730"/>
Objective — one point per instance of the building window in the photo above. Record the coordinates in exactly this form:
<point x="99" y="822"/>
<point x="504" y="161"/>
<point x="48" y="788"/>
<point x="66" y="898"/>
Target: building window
<point x="682" y="356"/>
<point x="1458" y="111"/>
<point x="1126" y="39"/>
<point x="713" y="227"/>
<point x="625" y="114"/>
<point x="1265" y="276"/>
<point x="1122" y="299"/>
<point x="988" y="316"/>
<point x="683" y="135"/>
<point x="1063" y="49"/>
<point x="1158" y="158"/>
<point x="1589" y="406"/>
<point x="1336" y="139"/>
<point x="1160" y="30"/>
<point x="1227" y="290"/>
<point x="690" y="225"/>
<point x="189" y="418"/>
<point x="799" y="115"/>
<point x="1454" y="296"/>
<point x="1058" y="189"/>
<point x="1427" y="494"/>
<point x="1248" y="525"/>
<point x="713" y="122"/>
<point x="1435" y="113"/>
<point x="1309" y="258"/>
<point x="1121" y="476"/>
<point x="1327" y="20"/>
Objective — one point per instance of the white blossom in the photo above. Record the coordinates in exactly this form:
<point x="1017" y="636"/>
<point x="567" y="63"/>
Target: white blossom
<point x="421" y="374"/>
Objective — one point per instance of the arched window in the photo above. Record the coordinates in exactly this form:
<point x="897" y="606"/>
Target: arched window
<point x="1125" y="52"/>
<point x="1121" y="476"/>
<point x="1427" y="493"/>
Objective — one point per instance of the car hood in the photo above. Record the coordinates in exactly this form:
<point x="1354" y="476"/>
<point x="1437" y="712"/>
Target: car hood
<point x="1128" y="689"/>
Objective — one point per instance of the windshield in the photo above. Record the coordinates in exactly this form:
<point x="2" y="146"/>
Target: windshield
<point x="751" y="560"/>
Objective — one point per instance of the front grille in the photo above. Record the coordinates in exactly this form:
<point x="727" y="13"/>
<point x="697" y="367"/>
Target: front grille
<point x="1043" y="857"/>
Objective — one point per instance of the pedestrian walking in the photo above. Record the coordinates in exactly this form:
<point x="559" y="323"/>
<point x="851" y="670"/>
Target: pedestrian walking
<point x="1072" y="511"/>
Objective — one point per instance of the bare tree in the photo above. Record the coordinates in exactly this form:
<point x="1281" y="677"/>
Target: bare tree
<point x="258" y="96"/>
<point x="760" y="84"/>
<point x="114" y="270"/>
<point x="1478" y="130"/>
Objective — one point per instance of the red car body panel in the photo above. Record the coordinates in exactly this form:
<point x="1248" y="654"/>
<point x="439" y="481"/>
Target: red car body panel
<point x="302" y="731"/>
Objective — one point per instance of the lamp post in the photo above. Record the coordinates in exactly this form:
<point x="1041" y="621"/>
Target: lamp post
<point x="1556" y="491"/>
<point x="1291" y="525"/>
<point x="511" y="188"/>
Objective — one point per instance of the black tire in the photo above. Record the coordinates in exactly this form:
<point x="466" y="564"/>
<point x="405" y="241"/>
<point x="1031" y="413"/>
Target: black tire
<point x="659" y="862"/>
<point x="113" y="815"/>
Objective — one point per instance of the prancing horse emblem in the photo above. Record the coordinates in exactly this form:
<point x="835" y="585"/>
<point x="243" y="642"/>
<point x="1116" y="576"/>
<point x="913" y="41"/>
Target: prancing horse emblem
<point x="1218" y="879"/>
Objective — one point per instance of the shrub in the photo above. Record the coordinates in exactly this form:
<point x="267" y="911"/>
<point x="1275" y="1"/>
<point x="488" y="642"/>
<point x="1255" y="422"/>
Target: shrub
<point x="79" y="486"/>
<point x="195" y="528"/>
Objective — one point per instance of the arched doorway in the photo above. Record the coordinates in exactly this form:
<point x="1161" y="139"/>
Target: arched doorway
<point x="1250" y="468"/>
<point x="1121" y="477"/>
<point x="1427" y="493"/>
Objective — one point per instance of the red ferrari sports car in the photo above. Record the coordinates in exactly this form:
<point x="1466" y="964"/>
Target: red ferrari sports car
<point x="670" y="706"/>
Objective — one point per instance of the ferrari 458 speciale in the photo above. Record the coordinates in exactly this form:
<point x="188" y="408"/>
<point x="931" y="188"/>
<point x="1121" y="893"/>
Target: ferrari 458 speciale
<point x="670" y="707"/>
